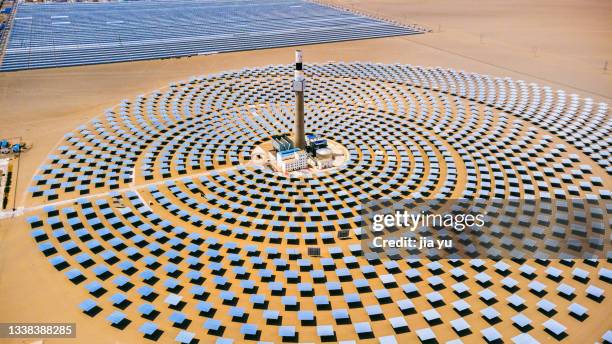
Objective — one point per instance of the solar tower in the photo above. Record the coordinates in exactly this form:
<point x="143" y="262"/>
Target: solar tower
<point x="299" y="83"/>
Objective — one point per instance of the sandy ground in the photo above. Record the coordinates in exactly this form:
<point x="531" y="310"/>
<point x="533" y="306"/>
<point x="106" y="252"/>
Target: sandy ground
<point x="561" y="43"/>
<point x="575" y="38"/>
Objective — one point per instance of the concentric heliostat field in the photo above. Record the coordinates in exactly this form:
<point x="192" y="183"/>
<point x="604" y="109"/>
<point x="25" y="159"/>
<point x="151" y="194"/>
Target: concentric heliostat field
<point x="156" y="209"/>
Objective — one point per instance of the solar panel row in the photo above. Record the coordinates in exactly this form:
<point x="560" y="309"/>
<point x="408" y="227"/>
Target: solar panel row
<point x="221" y="256"/>
<point x="55" y="35"/>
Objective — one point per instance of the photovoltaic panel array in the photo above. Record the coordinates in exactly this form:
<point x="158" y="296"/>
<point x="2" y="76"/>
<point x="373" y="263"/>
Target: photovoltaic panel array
<point x="70" y="34"/>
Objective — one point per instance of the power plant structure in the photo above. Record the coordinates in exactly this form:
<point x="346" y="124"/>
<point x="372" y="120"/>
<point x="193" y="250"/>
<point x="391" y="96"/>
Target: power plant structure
<point x="299" y="84"/>
<point x="320" y="155"/>
<point x="288" y="157"/>
<point x="300" y="150"/>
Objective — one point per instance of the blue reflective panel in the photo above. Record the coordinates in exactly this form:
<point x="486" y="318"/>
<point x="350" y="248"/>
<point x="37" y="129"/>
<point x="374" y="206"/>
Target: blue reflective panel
<point x="87" y="305"/>
<point x="286" y="331"/>
<point x="185" y="337"/>
<point x="116" y="317"/>
<point x="146" y="308"/>
<point x="148" y="328"/>
<point x="177" y="317"/>
<point x="212" y="324"/>
<point x="248" y="329"/>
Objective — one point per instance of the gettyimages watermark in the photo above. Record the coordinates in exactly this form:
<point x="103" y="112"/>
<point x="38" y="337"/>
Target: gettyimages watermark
<point x="487" y="228"/>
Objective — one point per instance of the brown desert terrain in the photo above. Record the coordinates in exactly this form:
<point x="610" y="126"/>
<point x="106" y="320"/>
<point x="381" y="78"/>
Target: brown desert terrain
<point x="563" y="44"/>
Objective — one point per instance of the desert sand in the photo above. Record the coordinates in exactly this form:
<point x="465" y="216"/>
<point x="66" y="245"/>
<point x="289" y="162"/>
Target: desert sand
<point x="560" y="43"/>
